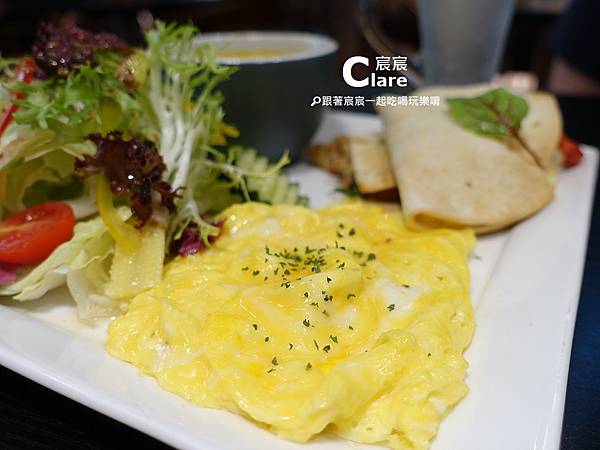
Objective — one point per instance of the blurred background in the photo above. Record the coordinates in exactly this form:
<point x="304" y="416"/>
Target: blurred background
<point x="539" y="40"/>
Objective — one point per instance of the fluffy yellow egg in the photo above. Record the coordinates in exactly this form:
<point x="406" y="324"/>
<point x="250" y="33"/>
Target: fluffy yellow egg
<point x="304" y="320"/>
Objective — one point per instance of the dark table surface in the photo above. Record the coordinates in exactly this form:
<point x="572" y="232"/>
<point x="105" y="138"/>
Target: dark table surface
<point x="32" y="416"/>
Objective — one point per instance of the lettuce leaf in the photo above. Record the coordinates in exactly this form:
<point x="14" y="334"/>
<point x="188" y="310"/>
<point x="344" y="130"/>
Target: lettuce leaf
<point x="89" y="100"/>
<point x="37" y="166"/>
<point x="83" y="263"/>
<point x="51" y="126"/>
<point x="181" y="93"/>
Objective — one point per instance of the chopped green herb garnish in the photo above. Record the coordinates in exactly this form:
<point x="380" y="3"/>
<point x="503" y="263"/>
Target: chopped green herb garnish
<point x="338" y="234"/>
<point x="316" y="345"/>
<point x="274" y="361"/>
<point x="406" y="286"/>
<point x="349" y="296"/>
<point x="245" y="268"/>
<point x="272" y="369"/>
<point x="306" y="294"/>
<point x="350" y="327"/>
<point x="333" y="338"/>
<point x="391" y="307"/>
<point x="255" y="326"/>
<point x="256" y="272"/>
<point x="291" y="346"/>
<point x="371" y="256"/>
<point x="308" y="366"/>
<point x="316" y="262"/>
<point x="327" y="348"/>
<point x="306" y="323"/>
<point x="352" y="232"/>
<point x="328" y="280"/>
<point x="266" y="338"/>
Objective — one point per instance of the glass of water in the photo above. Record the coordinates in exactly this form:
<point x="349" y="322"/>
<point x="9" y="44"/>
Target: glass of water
<point x="462" y="41"/>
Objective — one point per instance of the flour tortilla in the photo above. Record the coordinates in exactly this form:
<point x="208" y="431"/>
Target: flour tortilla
<point x="449" y="176"/>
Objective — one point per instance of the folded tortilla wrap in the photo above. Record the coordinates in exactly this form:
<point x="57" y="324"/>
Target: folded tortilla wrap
<point x="450" y="176"/>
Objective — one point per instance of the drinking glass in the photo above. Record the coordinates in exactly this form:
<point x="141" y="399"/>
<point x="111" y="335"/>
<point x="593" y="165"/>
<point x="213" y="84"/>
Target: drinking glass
<point x="462" y="41"/>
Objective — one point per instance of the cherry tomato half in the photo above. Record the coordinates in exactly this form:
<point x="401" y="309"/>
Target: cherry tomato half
<point x="29" y="236"/>
<point x="571" y="151"/>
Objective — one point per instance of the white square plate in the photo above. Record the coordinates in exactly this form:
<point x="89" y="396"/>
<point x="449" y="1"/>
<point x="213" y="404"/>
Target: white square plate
<point x="525" y="289"/>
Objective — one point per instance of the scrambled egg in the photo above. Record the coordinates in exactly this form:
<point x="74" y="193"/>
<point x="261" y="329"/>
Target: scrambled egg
<point x="339" y="320"/>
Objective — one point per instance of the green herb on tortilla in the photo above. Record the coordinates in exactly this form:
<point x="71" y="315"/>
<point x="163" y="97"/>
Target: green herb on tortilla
<point x="496" y="114"/>
<point x="350" y="191"/>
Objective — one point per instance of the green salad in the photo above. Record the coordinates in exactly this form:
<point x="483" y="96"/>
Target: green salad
<point x="114" y="159"/>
